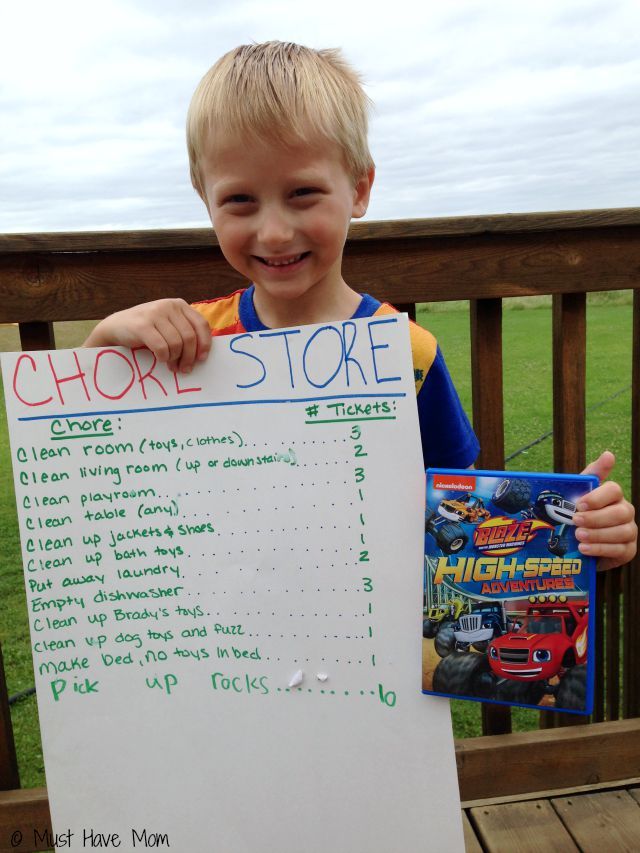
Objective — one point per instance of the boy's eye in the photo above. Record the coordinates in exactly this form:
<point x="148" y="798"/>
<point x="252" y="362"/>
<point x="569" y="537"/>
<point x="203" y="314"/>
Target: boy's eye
<point x="238" y="198"/>
<point x="302" y="191"/>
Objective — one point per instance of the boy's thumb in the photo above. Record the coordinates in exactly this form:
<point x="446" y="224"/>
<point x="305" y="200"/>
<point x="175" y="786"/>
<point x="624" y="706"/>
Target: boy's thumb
<point x="602" y="466"/>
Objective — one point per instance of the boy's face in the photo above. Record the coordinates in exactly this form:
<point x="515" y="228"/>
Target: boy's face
<point x="281" y="215"/>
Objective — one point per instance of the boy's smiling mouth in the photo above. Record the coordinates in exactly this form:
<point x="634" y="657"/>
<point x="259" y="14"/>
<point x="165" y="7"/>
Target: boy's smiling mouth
<point x="284" y="261"/>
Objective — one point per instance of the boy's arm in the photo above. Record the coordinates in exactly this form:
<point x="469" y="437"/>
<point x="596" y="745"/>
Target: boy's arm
<point x="174" y="332"/>
<point x="605" y="525"/>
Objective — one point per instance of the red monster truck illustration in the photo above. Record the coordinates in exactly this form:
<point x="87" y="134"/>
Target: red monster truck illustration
<point x="550" y="640"/>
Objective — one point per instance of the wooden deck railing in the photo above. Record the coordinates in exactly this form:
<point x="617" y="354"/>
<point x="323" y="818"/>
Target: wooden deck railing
<point x="79" y="276"/>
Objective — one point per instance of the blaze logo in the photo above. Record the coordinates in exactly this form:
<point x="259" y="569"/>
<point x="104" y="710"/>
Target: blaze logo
<point x="501" y="535"/>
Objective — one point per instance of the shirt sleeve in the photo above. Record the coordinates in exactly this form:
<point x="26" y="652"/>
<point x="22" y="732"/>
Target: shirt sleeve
<point x="448" y="440"/>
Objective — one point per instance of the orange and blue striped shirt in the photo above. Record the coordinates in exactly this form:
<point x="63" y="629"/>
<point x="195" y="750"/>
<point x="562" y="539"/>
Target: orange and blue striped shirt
<point x="448" y="441"/>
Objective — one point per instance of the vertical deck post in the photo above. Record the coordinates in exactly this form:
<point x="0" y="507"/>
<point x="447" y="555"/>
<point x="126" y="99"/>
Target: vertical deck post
<point x="408" y="308"/>
<point x="569" y="372"/>
<point x="631" y="574"/>
<point x="488" y="422"/>
<point x="569" y="318"/>
<point x="36" y="336"/>
<point x="9" y="777"/>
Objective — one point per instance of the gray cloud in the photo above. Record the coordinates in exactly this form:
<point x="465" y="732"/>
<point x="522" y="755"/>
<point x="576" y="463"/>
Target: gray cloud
<point x="479" y="107"/>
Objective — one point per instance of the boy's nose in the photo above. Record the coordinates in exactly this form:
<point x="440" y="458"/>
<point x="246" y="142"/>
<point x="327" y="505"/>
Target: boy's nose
<point x="274" y="230"/>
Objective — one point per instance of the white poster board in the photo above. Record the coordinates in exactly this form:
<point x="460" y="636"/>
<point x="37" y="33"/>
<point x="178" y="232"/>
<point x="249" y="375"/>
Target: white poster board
<point x="224" y="582"/>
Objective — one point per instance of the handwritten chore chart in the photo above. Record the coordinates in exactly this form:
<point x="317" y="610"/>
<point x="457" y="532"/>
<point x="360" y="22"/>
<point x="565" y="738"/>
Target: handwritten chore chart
<point x="224" y="586"/>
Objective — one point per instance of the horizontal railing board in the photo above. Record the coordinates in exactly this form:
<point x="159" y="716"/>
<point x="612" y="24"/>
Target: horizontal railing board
<point x="51" y="286"/>
<point x="522" y="763"/>
<point x="193" y="238"/>
<point x="25" y="820"/>
<point x="88" y="287"/>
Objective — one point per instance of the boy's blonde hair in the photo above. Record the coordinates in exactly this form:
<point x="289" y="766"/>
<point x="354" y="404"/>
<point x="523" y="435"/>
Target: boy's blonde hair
<point x="280" y="92"/>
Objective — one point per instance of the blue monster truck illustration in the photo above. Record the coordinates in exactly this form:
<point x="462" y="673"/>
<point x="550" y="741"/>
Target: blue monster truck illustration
<point x="476" y="629"/>
<point x="514" y="496"/>
<point x="487" y="621"/>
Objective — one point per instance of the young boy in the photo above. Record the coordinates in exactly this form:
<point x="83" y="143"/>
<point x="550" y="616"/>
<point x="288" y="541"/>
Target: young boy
<point x="277" y="139"/>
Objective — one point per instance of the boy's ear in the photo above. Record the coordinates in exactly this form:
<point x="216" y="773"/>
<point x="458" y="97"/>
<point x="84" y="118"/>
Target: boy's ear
<point x="362" y="193"/>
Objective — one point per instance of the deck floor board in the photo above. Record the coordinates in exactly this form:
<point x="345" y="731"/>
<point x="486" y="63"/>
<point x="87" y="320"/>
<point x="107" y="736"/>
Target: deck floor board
<point x="554" y="822"/>
<point x="607" y="820"/>
<point x="528" y="827"/>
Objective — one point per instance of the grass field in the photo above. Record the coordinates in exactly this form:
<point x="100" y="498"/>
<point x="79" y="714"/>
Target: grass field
<point x="527" y="384"/>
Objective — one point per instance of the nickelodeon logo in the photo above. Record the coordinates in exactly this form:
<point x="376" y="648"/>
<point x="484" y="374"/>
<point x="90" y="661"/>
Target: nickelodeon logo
<point x="458" y="482"/>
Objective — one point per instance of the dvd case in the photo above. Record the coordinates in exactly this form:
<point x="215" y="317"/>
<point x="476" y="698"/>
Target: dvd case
<point x="508" y="609"/>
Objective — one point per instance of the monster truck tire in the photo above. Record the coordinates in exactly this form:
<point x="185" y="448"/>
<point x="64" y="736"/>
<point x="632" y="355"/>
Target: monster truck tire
<point x="572" y="690"/>
<point x="428" y="518"/>
<point x="525" y="692"/>
<point x="482" y="646"/>
<point x="451" y="538"/>
<point x="512" y="495"/>
<point x="429" y="629"/>
<point x="459" y="674"/>
<point x="484" y="681"/>
<point x="444" y="641"/>
<point x="558" y="545"/>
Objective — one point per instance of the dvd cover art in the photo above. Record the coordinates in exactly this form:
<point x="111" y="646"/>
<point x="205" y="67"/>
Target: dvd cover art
<point x="508" y="598"/>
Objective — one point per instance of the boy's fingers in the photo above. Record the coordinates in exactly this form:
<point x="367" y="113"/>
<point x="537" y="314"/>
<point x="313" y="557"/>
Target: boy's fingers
<point x="618" y="534"/>
<point x="611" y="554"/>
<point x="608" y="493"/>
<point x="173" y="341"/>
<point x="202" y="332"/>
<point x="153" y="340"/>
<point x="196" y="337"/>
<point x="605" y="525"/>
<point x="602" y="466"/>
<point x="175" y="333"/>
<point x="609" y="516"/>
<point x="188" y="341"/>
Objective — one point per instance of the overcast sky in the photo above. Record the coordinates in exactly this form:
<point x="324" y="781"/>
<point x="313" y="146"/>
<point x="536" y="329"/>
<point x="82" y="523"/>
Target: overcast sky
<point x="481" y="107"/>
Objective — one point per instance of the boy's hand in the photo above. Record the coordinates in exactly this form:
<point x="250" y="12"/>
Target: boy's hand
<point x="605" y="526"/>
<point x="174" y="332"/>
